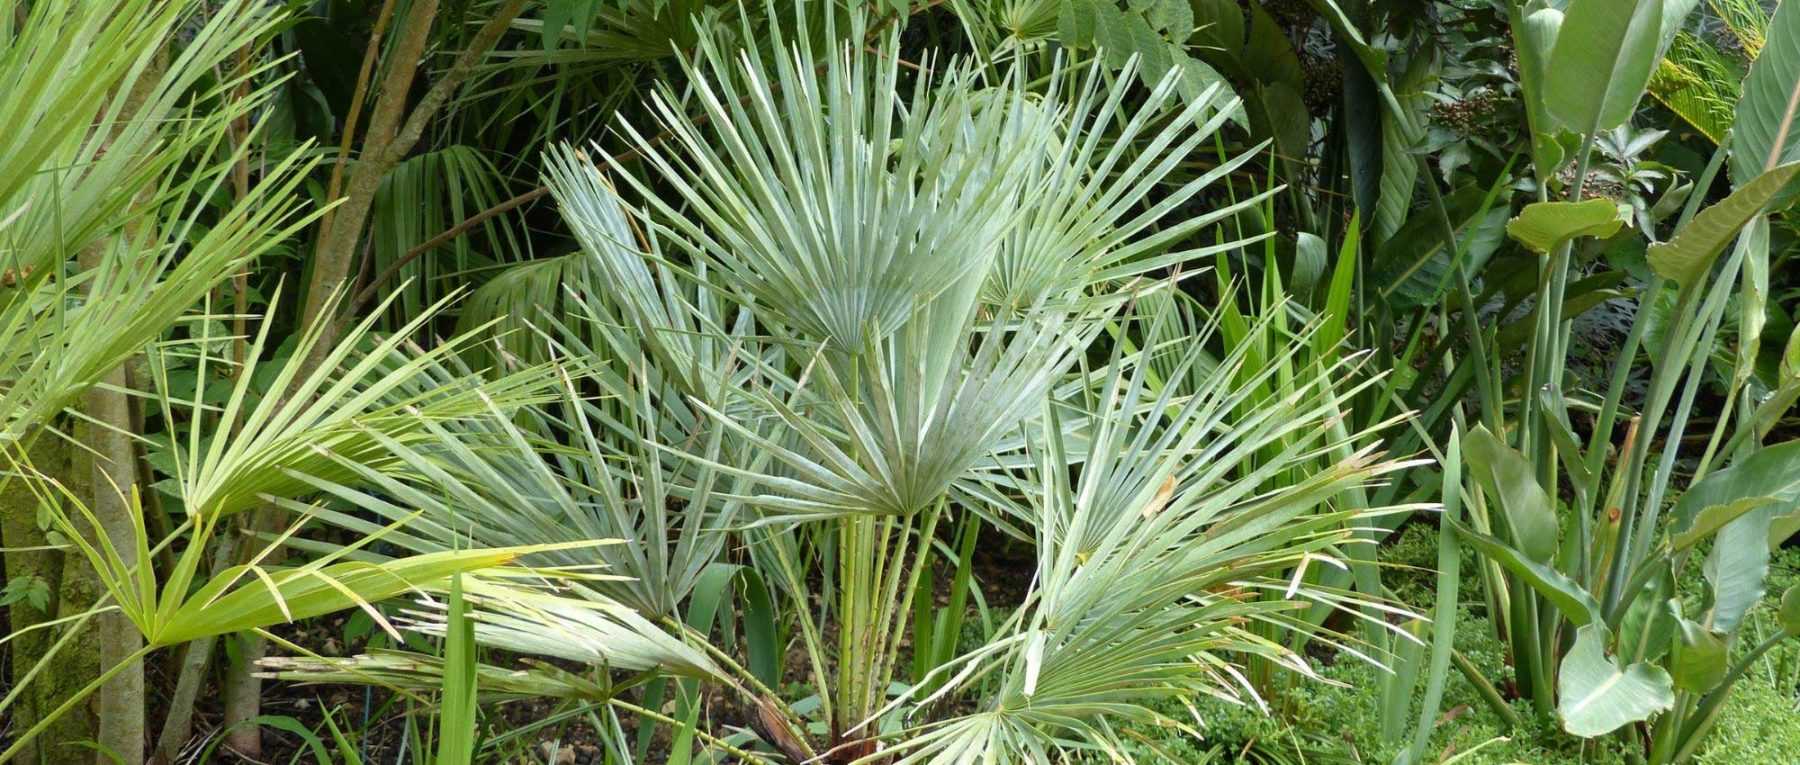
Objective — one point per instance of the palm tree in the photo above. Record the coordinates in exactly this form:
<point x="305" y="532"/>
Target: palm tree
<point x="850" y="300"/>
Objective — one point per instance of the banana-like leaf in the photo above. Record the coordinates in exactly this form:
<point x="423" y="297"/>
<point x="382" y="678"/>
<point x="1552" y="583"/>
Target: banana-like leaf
<point x="1738" y="568"/>
<point x="1714" y="517"/>
<point x="1772" y="472"/>
<point x="1542" y="226"/>
<point x="1570" y="598"/>
<point x="1769" y="479"/>
<point x="1603" y="58"/>
<point x="1766" y="132"/>
<point x="1687" y="257"/>
<point x="1507" y="476"/>
<point x="1787" y="388"/>
<point x="1536" y="28"/>
<point x="1596" y="696"/>
<point x="1700" y="658"/>
<point x="1648" y="627"/>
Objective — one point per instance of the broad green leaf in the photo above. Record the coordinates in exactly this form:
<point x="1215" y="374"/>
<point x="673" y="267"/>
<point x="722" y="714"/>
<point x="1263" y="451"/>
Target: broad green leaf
<point x="1570" y="598"/>
<point x="1197" y="81"/>
<point x="1596" y="696"/>
<point x="1772" y="472"/>
<point x="1648" y="626"/>
<point x="1399" y="167"/>
<point x="1714" y="517"/>
<point x="1764" y="129"/>
<point x="1675" y="13"/>
<point x="1738" y="568"/>
<point x="1753" y="300"/>
<point x="1218" y="26"/>
<point x="1738" y="564"/>
<point x="1787" y="388"/>
<point x="1268" y="55"/>
<point x="1782" y="527"/>
<point x="555" y="20"/>
<point x="1604" y="54"/>
<point x="1075" y="23"/>
<point x="1413" y="267"/>
<point x="1700" y="658"/>
<point x="1687" y="257"/>
<point x="1542" y="226"/>
<point x="1507" y="476"/>
<point x="1309" y="263"/>
<point x="1174" y="17"/>
<point x="1536" y="32"/>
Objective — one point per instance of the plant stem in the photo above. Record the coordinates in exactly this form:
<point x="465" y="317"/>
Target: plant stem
<point x="1486" y="688"/>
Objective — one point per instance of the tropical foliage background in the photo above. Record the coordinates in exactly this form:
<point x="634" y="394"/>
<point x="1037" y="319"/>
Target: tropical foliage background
<point x="883" y="381"/>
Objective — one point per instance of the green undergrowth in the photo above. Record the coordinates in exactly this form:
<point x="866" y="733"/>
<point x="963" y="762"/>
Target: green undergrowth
<point x="1338" y="721"/>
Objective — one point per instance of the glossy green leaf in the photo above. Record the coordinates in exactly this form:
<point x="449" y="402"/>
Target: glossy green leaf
<point x="1507" y="476"/>
<point x="1700" y="658"/>
<point x="1399" y="166"/>
<point x="1648" y="626"/>
<point x="1537" y="30"/>
<point x="1542" y="226"/>
<point x="1764" y="132"/>
<point x="1564" y="593"/>
<point x="1596" y="696"/>
<point x="1690" y="254"/>
<point x="1772" y="471"/>
<point x="1218" y="27"/>
<point x="1714" y="517"/>
<point x="1738" y="569"/>
<point x="1604" y="54"/>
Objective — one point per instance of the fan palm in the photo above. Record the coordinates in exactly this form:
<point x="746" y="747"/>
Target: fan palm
<point x="850" y="305"/>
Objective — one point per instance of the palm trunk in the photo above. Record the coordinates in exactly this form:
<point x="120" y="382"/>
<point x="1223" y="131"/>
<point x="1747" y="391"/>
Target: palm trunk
<point x="393" y="132"/>
<point x="121" y="701"/>
<point x="71" y="587"/>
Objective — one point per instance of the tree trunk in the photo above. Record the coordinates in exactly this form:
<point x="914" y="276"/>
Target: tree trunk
<point x="71" y="589"/>
<point x="375" y="157"/>
<point x="113" y="484"/>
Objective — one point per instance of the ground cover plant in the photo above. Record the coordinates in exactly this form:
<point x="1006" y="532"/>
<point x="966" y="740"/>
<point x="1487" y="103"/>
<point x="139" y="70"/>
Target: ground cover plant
<point x="962" y="381"/>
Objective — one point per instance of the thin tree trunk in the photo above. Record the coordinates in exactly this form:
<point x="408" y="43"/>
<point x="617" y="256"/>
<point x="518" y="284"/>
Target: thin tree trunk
<point x="71" y="588"/>
<point x="242" y="692"/>
<point x="113" y="481"/>
<point x="122" y="699"/>
<point x="393" y="132"/>
<point x="337" y="241"/>
<point x="178" y="726"/>
<point x="110" y="439"/>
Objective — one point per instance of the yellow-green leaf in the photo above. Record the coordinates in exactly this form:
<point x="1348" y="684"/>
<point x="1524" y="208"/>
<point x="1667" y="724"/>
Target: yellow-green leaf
<point x="237" y="599"/>
<point x="1688" y="256"/>
<point x="1542" y="226"/>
